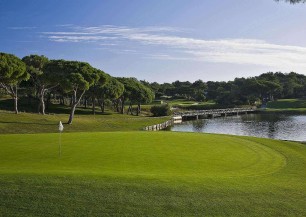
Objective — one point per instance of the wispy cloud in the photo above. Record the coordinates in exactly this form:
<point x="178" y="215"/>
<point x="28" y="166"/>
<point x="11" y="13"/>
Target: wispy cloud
<point x="108" y="44"/>
<point x="64" y="25"/>
<point x="169" y="44"/>
<point x="71" y="38"/>
<point x="22" y="27"/>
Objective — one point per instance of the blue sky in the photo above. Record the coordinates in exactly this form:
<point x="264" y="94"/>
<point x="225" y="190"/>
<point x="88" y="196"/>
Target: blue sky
<point x="161" y="40"/>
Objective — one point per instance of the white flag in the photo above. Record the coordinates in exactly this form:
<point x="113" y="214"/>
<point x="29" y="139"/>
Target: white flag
<point x="60" y="126"/>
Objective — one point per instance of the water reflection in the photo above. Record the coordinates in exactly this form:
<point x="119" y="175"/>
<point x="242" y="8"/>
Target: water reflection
<point x="276" y="126"/>
<point x="198" y="125"/>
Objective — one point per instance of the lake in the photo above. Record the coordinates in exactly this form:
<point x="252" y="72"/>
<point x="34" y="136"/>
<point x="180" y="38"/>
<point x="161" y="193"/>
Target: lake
<point x="266" y="125"/>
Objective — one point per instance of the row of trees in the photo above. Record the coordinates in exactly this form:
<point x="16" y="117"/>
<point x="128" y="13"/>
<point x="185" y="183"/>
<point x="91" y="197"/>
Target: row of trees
<point x="262" y="88"/>
<point x="78" y="80"/>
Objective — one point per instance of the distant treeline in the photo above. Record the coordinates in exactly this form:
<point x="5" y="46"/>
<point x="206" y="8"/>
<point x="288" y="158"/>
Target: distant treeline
<point x="253" y="90"/>
<point x="73" y="83"/>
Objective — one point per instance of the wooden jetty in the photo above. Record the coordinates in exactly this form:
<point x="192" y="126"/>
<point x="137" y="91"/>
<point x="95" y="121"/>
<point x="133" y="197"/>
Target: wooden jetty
<point x="213" y="113"/>
<point x="196" y="114"/>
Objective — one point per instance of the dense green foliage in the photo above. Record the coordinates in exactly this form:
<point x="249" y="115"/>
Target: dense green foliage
<point x="263" y="88"/>
<point x="68" y="83"/>
<point x="40" y="80"/>
<point x="160" y="110"/>
<point x="12" y="72"/>
<point x="151" y="174"/>
<point x="135" y="92"/>
<point x="111" y="90"/>
<point x="74" y="77"/>
<point x="242" y="91"/>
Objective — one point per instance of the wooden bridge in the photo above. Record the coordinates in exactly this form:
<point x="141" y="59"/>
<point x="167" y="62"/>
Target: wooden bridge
<point x="179" y="116"/>
<point x="213" y="113"/>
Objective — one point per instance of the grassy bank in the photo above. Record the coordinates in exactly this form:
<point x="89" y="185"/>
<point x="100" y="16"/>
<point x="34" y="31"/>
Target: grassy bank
<point x="287" y="105"/>
<point x="151" y="174"/>
<point x="35" y="123"/>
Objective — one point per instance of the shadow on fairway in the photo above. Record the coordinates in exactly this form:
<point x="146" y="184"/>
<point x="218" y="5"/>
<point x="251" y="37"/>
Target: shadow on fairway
<point x="16" y="122"/>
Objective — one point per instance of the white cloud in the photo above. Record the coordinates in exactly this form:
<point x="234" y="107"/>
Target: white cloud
<point x="169" y="42"/>
<point x="69" y="38"/>
<point x="22" y="27"/>
<point x="64" y="25"/>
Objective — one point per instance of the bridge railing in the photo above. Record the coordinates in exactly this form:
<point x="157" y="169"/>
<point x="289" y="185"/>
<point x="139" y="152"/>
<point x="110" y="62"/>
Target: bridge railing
<point x="194" y="113"/>
<point x="161" y="126"/>
<point x="215" y="111"/>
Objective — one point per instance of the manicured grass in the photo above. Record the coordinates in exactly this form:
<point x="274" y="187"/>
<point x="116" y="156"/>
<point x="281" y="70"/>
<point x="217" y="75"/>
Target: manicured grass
<point x="290" y="105"/>
<point x="181" y="102"/>
<point x="151" y="174"/>
<point x="184" y="102"/>
<point x="35" y="123"/>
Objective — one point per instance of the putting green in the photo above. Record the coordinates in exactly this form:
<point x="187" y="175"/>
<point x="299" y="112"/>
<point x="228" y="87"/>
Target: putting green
<point x="150" y="174"/>
<point x="142" y="154"/>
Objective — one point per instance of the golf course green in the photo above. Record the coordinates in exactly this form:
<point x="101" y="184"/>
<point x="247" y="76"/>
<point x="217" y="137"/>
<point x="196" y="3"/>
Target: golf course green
<point x="150" y="174"/>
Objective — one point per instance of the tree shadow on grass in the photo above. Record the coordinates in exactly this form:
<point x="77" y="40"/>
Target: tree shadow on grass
<point x="32" y="123"/>
<point x="31" y="105"/>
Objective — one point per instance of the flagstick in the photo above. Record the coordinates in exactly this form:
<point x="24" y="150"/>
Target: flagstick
<point x="60" y="128"/>
<point x="60" y="145"/>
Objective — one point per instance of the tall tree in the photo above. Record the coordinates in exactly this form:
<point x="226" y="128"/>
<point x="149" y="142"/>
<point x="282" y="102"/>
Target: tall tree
<point x="166" y="89"/>
<point x="74" y="77"/>
<point x="182" y="89"/>
<point x="270" y="85"/>
<point x="111" y="90"/>
<point x="12" y="72"/>
<point x="129" y="88"/>
<point x="43" y="81"/>
<point x="156" y="87"/>
<point x="143" y="95"/>
<point x="199" y="88"/>
<point x="100" y="79"/>
<point x="135" y="92"/>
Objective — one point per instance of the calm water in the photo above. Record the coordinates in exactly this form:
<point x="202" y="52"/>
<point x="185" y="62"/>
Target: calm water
<point x="276" y="126"/>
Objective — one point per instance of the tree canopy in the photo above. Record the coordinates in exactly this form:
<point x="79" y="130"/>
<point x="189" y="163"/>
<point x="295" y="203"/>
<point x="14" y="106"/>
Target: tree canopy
<point x="111" y="90"/>
<point x="74" y="78"/>
<point x="42" y="80"/>
<point x="12" y="72"/>
<point x="12" y="69"/>
<point x="135" y="91"/>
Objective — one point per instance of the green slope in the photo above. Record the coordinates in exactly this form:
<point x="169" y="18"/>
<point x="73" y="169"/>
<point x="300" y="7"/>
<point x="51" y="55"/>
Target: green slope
<point x="287" y="105"/>
<point x="35" y="123"/>
<point x="151" y="174"/>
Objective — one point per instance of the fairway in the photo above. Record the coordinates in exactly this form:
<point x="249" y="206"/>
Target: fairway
<point x="151" y="173"/>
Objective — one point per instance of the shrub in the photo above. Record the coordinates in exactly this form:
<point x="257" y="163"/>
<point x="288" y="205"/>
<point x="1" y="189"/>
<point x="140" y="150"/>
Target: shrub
<point x="160" y="110"/>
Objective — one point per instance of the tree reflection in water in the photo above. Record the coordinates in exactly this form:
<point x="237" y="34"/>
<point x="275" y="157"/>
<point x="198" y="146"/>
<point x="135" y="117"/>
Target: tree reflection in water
<point x="270" y="125"/>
